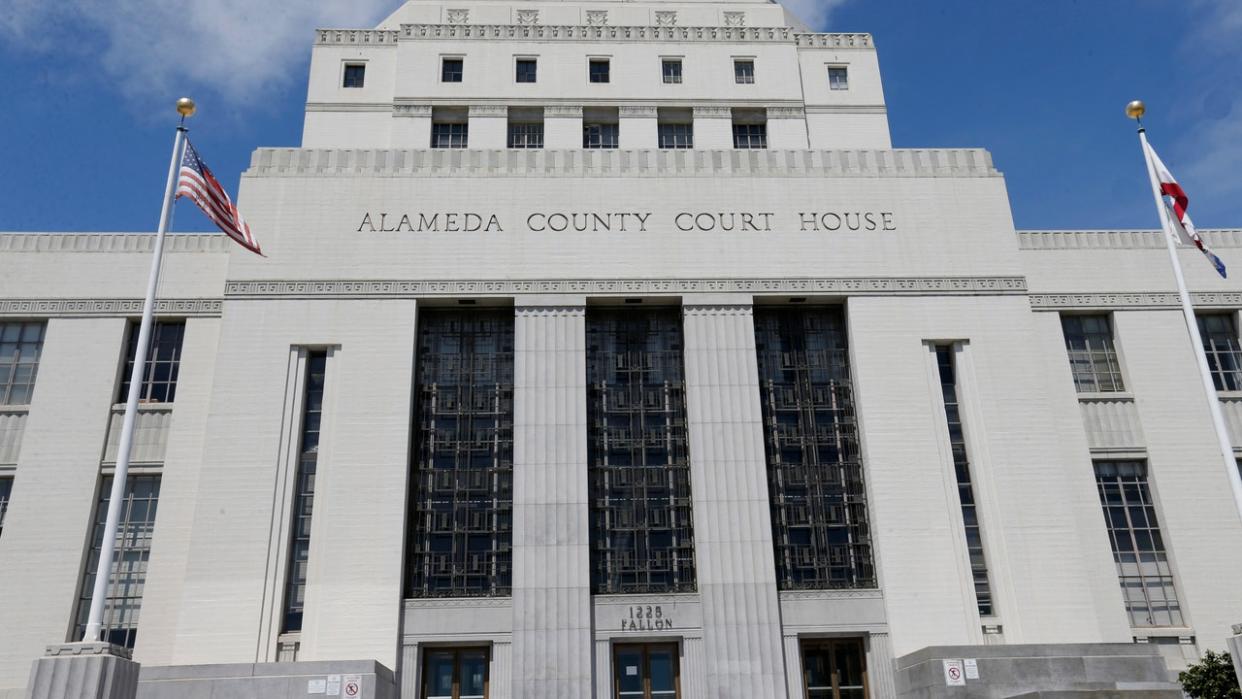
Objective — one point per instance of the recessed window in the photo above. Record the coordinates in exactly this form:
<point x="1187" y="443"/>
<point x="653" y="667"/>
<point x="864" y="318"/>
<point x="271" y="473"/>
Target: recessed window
<point x="355" y="75"/>
<point x="676" y="136"/>
<point x="598" y="70"/>
<point x="455" y="673"/>
<point x="838" y="78"/>
<point x="672" y="71"/>
<point x="744" y="71"/>
<point x="834" y="668"/>
<point x="750" y="136"/>
<point x="6" y="490"/>
<point x="646" y="671"/>
<point x="159" y="374"/>
<point x="527" y="68"/>
<point x="304" y="495"/>
<point x="450" y="135"/>
<point x="526" y="135"/>
<point x="1220" y="344"/>
<point x="597" y="136"/>
<point x="451" y="70"/>
<point x="20" y="346"/>
<point x="1092" y="356"/>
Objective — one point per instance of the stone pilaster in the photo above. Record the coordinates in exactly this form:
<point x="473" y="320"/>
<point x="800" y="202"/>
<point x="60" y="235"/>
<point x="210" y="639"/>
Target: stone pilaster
<point x="551" y="652"/>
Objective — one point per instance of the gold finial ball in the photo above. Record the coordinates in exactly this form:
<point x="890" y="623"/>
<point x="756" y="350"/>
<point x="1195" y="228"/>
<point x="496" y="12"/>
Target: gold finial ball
<point x="1136" y="109"/>
<point x="186" y="107"/>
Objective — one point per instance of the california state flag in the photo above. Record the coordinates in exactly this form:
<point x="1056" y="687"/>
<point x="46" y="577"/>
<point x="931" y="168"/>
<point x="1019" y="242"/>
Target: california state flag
<point x="1177" y="202"/>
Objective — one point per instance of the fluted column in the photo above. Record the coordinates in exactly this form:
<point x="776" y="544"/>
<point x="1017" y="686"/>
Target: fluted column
<point x="551" y="651"/>
<point x="732" y="531"/>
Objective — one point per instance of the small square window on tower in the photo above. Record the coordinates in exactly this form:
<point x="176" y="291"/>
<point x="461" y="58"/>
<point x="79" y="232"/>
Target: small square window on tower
<point x="744" y="71"/>
<point x="527" y="70"/>
<point x="672" y="71"/>
<point x="838" y="78"/>
<point x="598" y="70"/>
<point x="451" y="70"/>
<point x="355" y="75"/>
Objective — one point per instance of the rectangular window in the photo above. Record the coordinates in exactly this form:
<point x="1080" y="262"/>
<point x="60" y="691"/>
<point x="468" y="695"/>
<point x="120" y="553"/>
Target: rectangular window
<point x="6" y="491"/>
<point x="750" y="136"/>
<point x="452" y="70"/>
<point x="1138" y="548"/>
<point x="526" y="135"/>
<point x="461" y="489"/>
<point x="304" y="493"/>
<point x="129" y="560"/>
<point x="744" y="71"/>
<point x="820" y="525"/>
<point x="676" y="135"/>
<point x="455" y="673"/>
<point x="838" y="78"/>
<point x="21" y="343"/>
<point x="642" y="538"/>
<point x="598" y="70"/>
<point x="600" y="136"/>
<point x="159" y="375"/>
<point x="646" y="671"/>
<point x="965" y="488"/>
<point x="834" y="668"/>
<point x="450" y="135"/>
<point x="1220" y="344"/>
<point x="527" y="69"/>
<point x="355" y="75"/>
<point x="672" y="71"/>
<point x="1092" y="356"/>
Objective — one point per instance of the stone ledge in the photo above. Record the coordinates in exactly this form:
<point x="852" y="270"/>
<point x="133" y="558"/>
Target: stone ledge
<point x="62" y="650"/>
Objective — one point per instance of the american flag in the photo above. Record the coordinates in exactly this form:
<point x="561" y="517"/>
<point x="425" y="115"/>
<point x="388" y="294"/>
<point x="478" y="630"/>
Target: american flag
<point x="204" y="189"/>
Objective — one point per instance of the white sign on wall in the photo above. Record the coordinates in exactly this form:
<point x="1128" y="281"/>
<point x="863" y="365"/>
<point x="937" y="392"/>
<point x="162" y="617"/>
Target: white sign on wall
<point x="352" y="687"/>
<point x="334" y="685"/>
<point x="972" y="669"/>
<point x="316" y="686"/>
<point x="954" y="673"/>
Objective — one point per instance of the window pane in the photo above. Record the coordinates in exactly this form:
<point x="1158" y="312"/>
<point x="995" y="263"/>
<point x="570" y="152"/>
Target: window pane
<point x="629" y="671"/>
<point x="750" y="136"/>
<point x="600" y="135"/>
<point x="526" y="135"/>
<point x="526" y="71"/>
<point x="672" y="72"/>
<point x="454" y="135"/>
<point x="1220" y="345"/>
<point x="473" y="674"/>
<point x="599" y="71"/>
<point x="438" y="674"/>
<point x="6" y="491"/>
<point x="304" y="496"/>
<point x="159" y="382"/>
<point x="838" y="79"/>
<point x="1093" y="358"/>
<point x="744" y="71"/>
<point x="663" y="665"/>
<point x="354" y="75"/>
<point x="21" y="344"/>
<point x="451" y="70"/>
<point x="676" y="135"/>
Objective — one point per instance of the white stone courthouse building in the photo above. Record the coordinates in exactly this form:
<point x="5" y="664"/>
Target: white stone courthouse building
<point x="609" y="349"/>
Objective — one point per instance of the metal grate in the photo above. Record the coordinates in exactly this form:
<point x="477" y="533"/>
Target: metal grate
<point x="129" y="560"/>
<point x="159" y="375"/>
<point x="641" y="532"/>
<point x="815" y="473"/>
<point x="1092" y="356"/>
<point x="20" y="347"/>
<point x="462" y="484"/>
<point x="1220" y="344"/>
<point x="965" y="486"/>
<point x="304" y="497"/>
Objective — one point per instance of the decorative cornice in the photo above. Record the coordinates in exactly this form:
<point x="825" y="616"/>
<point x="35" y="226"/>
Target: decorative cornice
<point x="1131" y="301"/>
<point x="565" y="111"/>
<point x="411" y="110"/>
<point x="835" y="41"/>
<point x="636" y="111"/>
<point x="77" y="308"/>
<point x="786" y="113"/>
<point x="735" y="19"/>
<point x="373" y="37"/>
<point x="564" y="32"/>
<point x="487" y="110"/>
<point x="846" y="109"/>
<point x="457" y="602"/>
<point x="111" y="242"/>
<point x="1118" y="240"/>
<point x="853" y="286"/>
<point x="666" y="18"/>
<point x="713" y="112"/>
<point x="286" y="162"/>
<point x="790" y="595"/>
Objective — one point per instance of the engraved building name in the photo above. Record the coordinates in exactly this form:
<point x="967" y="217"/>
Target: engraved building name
<point x="628" y="222"/>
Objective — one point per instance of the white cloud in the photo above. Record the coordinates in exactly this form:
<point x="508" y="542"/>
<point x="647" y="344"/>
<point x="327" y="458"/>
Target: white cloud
<point x="814" y="12"/>
<point x="238" y="49"/>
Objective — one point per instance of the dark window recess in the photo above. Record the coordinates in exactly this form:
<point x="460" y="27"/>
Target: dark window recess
<point x="671" y="71"/>
<point x="744" y="72"/>
<point x="838" y="78"/>
<point x="461" y="489"/>
<point x="1092" y="356"/>
<point x="20" y="347"/>
<point x="1220" y="344"/>
<point x="304" y="496"/>
<point x="750" y="136"/>
<point x="456" y="673"/>
<point x="646" y="671"/>
<point x="452" y="70"/>
<point x="600" y="136"/>
<point x="134" y="532"/>
<point x="159" y="376"/>
<point x="598" y="71"/>
<point x="676" y="135"/>
<point x="526" y="135"/>
<point x="527" y="69"/>
<point x="6" y="491"/>
<point x="454" y="135"/>
<point x="355" y="75"/>
<point x="820" y="528"/>
<point x="642" y="538"/>
<point x="834" y="668"/>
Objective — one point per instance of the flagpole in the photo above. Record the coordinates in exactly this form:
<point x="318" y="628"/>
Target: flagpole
<point x="1135" y="110"/>
<point x="103" y="571"/>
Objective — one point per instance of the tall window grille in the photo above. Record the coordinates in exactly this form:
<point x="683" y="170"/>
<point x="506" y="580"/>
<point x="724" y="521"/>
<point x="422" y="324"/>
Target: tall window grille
<point x="526" y="135"/>
<point x="642" y="537"/>
<point x="304" y="496"/>
<point x="129" y="560"/>
<point x="6" y="491"/>
<point x="676" y="135"/>
<point x="1220" y="344"/>
<point x="1138" y="548"/>
<point x="462" y="486"/>
<point x="965" y="487"/>
<point x="450" y="135"/>
<point x="600" y="135"/>
<point x="815" y="473"/>
<point x="159" y="373"/>
<point x="20" y="347"/>
<point x="750" y="136"/>
<point x="1092" y="356"/>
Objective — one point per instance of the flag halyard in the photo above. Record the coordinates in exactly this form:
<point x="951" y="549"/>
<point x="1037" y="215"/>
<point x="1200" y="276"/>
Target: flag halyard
<point x="198" y="184"/>
<point x="1175" y="200"/>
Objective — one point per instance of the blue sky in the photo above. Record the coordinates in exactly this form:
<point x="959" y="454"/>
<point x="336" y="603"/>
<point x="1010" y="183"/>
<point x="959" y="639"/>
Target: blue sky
<point x="86" y="122"/>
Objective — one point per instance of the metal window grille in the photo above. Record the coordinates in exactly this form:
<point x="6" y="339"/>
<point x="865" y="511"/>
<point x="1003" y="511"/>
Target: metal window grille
<point x="744" y="72"/>
<point x="304" y="496"/>
<point x="642" y="538"/>
<point x="834" y="668"/>
<point x="965" y="486"/>
<point x="456" y="673"/>
<point x="159" y="375"/>
<point x="838" y="79"/>
<point x="672" y="72"/>
<point x="820" y="526"/>
<point x="526" y="135"/>
<point x="129" y="562"/>
<point x="1138" y="548"/>
<point x="462" y="485"/>
<point x="527" y="70"/>
<point x="1220" y="344"/>
<point x="452" y="70"/>
<point x="750" y="135"/>
<point x="676" y="135"/>
<point x="1092" y="356"/>
<point x="600" y="135"/>
<point x="598" y="71"/>
<point x="454" y="135"/>
<point x="6" y="491"/>
<point x="355" y="74"/>
<point x="20" y="347"/>
<point x="646" y="671"/>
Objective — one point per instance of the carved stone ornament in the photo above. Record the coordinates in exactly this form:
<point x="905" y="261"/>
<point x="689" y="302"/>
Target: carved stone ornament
<point x="457" y="16"/>
<point x="665" y="18"/>
<point x="528" y="17"/>
<point x="735" y="19"/>
<point x="597" y="18"/>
